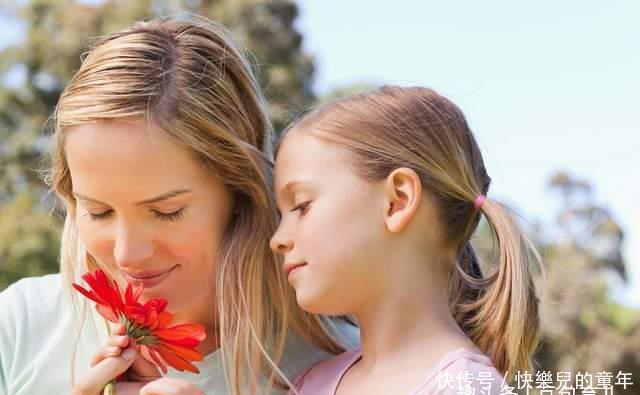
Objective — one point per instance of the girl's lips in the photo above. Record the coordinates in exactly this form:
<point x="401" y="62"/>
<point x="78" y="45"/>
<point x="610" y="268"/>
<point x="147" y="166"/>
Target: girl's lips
<point x="149" y="280"/>
<point x="290" y="268"/>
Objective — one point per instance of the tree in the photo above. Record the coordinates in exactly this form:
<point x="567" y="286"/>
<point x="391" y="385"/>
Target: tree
<point x="584" y="329"/>
<point x="29" y="240"/>
<point x="344" y="92"/>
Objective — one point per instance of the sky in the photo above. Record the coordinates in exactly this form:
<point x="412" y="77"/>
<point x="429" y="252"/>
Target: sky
<point x="545" y="85"/>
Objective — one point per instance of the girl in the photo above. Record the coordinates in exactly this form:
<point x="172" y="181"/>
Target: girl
<point x="162" y="156"/>
<point x="380" y="194"/>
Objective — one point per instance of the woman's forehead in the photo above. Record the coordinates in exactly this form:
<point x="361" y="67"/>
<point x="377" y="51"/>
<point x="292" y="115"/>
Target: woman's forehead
<point x="128" y="156"/>
<point x="114" y="141"/>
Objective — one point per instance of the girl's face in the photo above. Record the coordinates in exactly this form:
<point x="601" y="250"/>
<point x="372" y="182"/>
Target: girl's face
<point x="146" y="208"/>
<point x="331" y="230"/>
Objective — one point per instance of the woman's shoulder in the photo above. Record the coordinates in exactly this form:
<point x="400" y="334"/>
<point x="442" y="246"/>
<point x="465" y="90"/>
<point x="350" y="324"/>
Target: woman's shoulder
<point x="30" y="307"/>
<point x="35" y="325"/>
<point x="344" y="331"/>
<point x="37" y="285"/>
<point x="299" y="354"/>
<point x="32" y="295"/>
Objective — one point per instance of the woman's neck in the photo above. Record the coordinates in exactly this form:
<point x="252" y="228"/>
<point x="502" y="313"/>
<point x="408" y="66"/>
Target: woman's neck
<point x="211" y="343"/>
<point x="201" y="311"/>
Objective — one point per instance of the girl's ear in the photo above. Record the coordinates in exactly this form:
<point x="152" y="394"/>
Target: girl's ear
<point x="403" y="191"/>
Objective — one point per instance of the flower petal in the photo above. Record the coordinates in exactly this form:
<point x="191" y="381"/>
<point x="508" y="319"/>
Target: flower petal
<point x="181" y="331"/>
<point x="175" y="361"/>
<point x="107" y="312"/>
<point x="152" y="356"/>
<point x="164" y="319"/>
<point x="187" y="353"/>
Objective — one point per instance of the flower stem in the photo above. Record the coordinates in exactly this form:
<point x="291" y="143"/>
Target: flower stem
<point x="110" y="388"/>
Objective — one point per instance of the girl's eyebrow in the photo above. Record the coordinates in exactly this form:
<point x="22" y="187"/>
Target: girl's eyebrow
<point x="156" y="199"/>
<point x="291" y="184"/>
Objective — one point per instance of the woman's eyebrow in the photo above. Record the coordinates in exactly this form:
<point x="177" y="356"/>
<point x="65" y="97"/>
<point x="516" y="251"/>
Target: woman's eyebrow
<point x="156" y="199"/>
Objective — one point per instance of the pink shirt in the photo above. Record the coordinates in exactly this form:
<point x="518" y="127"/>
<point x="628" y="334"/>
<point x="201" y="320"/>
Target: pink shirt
<point x="458" y="372"/>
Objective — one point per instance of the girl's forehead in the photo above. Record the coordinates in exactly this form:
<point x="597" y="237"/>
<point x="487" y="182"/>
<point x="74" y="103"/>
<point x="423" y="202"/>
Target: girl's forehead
<point x="305" y="157"/>
<point x="302" y="151"/>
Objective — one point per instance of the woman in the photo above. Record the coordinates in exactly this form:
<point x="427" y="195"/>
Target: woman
<point x="162" y="156"/>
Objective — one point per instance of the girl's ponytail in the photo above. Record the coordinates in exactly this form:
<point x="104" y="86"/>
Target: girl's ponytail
<point x="500" y="312"/>
<point x="464" y="286"/>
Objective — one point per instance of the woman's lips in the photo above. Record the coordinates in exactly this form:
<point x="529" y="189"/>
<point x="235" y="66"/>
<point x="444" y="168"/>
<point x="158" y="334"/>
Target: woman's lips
<point x="149" y="279"/>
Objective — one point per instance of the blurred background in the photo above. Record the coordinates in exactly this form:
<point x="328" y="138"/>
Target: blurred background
<point x="549" y="88"/>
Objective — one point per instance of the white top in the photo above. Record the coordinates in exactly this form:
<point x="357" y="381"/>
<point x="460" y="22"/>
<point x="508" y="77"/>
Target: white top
<point x="37" y="334"/>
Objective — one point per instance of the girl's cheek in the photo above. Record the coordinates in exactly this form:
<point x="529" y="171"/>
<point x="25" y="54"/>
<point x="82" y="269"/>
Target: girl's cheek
<point x="314" y="231"/>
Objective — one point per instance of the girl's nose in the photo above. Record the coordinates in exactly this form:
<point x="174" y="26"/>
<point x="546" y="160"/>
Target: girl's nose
<point x="280" y="243"/>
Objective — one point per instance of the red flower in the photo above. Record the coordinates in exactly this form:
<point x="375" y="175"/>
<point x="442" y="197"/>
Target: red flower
<point x="108" y="298"/>
<point x="163" y="345"/>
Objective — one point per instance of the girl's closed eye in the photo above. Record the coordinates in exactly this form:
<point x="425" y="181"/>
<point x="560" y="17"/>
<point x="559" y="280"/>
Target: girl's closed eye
<point x="302" y="207"/>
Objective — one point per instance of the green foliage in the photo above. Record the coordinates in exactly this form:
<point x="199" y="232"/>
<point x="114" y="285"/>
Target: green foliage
<point x="343" y="92"/>
<point x="29" y="239"/>
<point x="583" y="329"/>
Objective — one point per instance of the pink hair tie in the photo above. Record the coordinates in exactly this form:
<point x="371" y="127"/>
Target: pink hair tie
<point x="479" y="200"/>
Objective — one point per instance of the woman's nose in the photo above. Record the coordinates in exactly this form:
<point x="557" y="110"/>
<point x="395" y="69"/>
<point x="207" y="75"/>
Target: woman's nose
<point x="131" y="247"/>
<point x="280" y="243"/>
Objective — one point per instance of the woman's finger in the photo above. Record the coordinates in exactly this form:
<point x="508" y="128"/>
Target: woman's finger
<point x="113" y="348"/>
<point x="118" y="340"/>
<point x="104" y="371"/>
<point x="121" y="329"/>
<point x="143" y="370"/>
<point x="104" y="353"/>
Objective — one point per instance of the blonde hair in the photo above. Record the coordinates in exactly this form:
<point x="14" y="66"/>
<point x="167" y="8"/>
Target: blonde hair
<point x="417" y="128"/>
<point x="189" y="79"/>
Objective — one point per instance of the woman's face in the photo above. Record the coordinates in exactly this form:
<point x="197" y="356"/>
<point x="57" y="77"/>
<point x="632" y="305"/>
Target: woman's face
<point x="146" y="208"/>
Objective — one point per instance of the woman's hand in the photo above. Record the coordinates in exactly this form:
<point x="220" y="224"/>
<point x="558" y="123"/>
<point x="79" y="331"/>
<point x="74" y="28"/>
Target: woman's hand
<point x="109" y="363"/>
<point x="119" y="355"/>
<point x="141" y="369"/>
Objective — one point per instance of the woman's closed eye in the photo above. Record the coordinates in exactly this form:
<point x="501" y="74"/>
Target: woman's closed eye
<point x="98" y="217"/>
<point x="173" y="216"/>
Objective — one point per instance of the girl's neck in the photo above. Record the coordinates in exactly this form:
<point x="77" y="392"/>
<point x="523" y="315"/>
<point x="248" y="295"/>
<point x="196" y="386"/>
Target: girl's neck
<point x="411" y="313"/>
